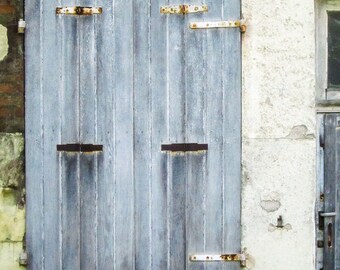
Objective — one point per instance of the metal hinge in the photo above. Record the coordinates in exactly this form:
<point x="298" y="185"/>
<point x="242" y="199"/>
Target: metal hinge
<point x="79" y="10"/>
<point x="242" y="258"/>
<point x="183" y="9"/>
<point x="21" y="26"/>
<point x="220" y="24"/>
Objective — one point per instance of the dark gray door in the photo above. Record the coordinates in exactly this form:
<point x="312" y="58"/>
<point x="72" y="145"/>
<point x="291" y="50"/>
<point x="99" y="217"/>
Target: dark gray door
<point x="130" y="80"/>
<point x="329" y="218"/>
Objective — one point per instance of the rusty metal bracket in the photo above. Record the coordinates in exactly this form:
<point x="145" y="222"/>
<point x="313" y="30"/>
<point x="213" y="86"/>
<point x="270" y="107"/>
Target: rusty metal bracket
<point x="79" y="10"/>
<point x="221" y="258"/>
<point x="183" y="9"/>
<point x="184" y="147"/>
<point x="76" y="147"/>
<point x="220" y="24"/>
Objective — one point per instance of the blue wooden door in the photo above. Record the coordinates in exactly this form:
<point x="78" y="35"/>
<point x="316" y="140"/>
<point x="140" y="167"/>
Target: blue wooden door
<point x="131" y="81"/>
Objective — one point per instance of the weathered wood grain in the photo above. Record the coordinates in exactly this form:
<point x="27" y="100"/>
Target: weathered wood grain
<point x="70" y="133"/>
<point x="33" y="134"/>
<point x="142" y="134"/>
<point x="123" y="87"/>
<point x="231" y="70"/>
<point x="133" y="79"/>
<point x="51" y="86"/>
<point x="159" y="86"/>
<point x="330" y="185"/>
<point x="105" y="35"/>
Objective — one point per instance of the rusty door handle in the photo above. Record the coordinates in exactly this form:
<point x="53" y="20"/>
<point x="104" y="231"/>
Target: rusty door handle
<point x="330" y="235"/>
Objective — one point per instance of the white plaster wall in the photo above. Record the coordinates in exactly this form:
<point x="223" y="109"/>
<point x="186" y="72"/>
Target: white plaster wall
<point x="279" y="133"/>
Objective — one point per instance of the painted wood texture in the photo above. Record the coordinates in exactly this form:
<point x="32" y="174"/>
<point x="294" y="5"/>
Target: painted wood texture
<point x="331" y="256"/>
<point x="132" y="79"/>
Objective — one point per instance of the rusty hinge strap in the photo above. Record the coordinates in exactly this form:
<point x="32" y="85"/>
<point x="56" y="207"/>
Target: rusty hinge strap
<point x="220" y="258"/>
<point x="183" y="9"/>
<point x="184" y="147"/>
<point x="79" y="10"/>
<point x="76" y="147"/>
<point x="220" y="24"/>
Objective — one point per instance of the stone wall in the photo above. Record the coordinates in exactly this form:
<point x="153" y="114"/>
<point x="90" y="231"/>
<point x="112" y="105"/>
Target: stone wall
<point x="12" y="200"/>
<point x="279" y="134"/>
<point x="12" y="204"/>
<point x="11" y="67"/>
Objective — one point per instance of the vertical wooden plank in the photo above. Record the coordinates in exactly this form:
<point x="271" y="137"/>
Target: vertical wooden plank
<point x="330" y="185"/>
<point x="88" y="124"/>
<point x="231" y="55"/>
<point x="215" y="135"/>
<point x="177" y="165"/>
<point x="142" y="134"/>
<point x="124" y="192"/>
<point x="105" y="93"/>
<point x="88" y="245"/>
<point x="176" y="75"/>
<point x="195" y="232"/>
<point x="52" y="95"/>
<point x="159" y="98"/>
<point x="319" y="204"/>
<point x="177" y="211"/>
<point x="195" y="87"/>
<point x="70" y="211"/>
<point x="33" y="134"/>
<point x="70" y="134"/>
<point x="337" y="198"/>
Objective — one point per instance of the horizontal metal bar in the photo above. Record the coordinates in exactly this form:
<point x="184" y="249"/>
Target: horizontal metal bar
<point x="331" y="214"/>
<point x="219" y="24"/>
<point x="79" y="10"/>
<point x="84" y="148"/>
<point x="184" y="147"/>
<point x="183" y="9"/>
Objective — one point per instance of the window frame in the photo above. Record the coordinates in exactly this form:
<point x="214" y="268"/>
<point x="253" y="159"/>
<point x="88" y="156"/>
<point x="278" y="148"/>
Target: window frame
<point x="322" y="91"/>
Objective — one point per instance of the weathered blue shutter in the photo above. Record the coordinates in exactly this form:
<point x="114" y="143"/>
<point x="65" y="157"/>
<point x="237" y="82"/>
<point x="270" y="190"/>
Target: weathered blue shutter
<point x="132" y="79"/>
<point x="330" y="216"/>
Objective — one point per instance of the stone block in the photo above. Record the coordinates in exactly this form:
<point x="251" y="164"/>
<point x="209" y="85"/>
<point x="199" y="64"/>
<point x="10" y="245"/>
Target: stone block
<point x="9" y="255"/>
<point x="11" y="160"/>
<point x="12" y="217"/>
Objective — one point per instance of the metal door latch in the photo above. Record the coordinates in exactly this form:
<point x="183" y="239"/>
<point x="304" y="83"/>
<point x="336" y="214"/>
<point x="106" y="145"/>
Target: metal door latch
<point x="220" y="24"/>
<point x="242" y="258"/>
<point x="79" y="10"/>
<point x="183" y="9"/>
